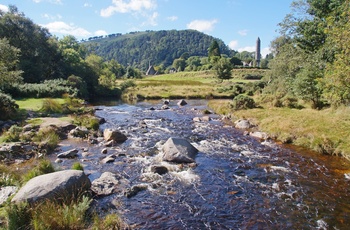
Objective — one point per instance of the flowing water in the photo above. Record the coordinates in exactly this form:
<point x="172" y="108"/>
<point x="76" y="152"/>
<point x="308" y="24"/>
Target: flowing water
<point x="238" y="182"/>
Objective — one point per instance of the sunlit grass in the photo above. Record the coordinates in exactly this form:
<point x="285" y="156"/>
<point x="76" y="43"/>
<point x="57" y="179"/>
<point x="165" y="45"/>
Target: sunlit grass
<point x="34" y="104"/>
<point x="325" y="131"/>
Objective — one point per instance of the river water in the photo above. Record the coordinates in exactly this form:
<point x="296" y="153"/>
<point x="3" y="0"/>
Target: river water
<point x="238" y="182"/>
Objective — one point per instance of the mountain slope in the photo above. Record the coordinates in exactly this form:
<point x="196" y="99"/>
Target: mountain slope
<point x="155" y="47"/>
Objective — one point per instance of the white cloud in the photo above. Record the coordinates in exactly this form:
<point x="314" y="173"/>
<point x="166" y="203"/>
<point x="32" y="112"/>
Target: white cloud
<point x="100" y="33"/>
<point x="243" y="32"/>
<point x="4" y="8"/>
<point x="265" y="51"/>
<point x="202" y="25"/>
<point x="66" y="29"/>
<point x="152" y="19"/>
<point x="247" y="48"/>
<point x="59" y="2"/>
<point x="124" y="6"/>
<point x="233" y="44"/>
<point x="52" y="17"/>
<point x="172" y="18"/>
<point x="86" y="4"/>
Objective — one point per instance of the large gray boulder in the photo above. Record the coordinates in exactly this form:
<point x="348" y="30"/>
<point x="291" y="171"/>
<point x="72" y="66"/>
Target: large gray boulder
<point x="179" y="150"/>
<point x="114" y="135"/>
<point x="62" y="184"/>
<point x="243" y="124"/>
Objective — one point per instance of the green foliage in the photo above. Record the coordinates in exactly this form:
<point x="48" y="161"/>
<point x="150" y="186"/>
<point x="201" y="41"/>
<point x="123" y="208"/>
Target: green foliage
<point x="48" y="138"/>
<point x="49" y="88"/>
<point x="71" y="215"/>
<point x="109" y="222"/>
<point x="9" y="72"/>
<point x="77" y="166"/>
<point x="51" y="106"/>
<point x="214" y="50"/>
<point x="223" y="68"/>
<point x="127" y="84"/>
<point x="13" y="134"/>
<point x="44" y="167"/>
<point x="8" y="107"/>
<point x="243" y="102"/>
<point x="18" y="216"/>
<point x="87" y="121"/>
<point x="161" y="47"/>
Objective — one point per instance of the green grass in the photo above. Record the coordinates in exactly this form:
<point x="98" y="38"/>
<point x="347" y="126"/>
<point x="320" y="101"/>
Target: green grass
<point x="191" y="85"/>
<point x="325" y="131"/>
<point x="34" y="104"/>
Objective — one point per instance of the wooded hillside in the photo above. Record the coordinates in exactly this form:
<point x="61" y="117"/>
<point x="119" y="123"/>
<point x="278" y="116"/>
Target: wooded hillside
<point x="158" y="47"/>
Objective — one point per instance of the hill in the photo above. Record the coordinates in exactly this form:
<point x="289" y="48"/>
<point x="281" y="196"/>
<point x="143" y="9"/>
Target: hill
<point x="157" y="47"/>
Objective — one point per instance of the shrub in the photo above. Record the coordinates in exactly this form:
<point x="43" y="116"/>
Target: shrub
<point x="69" y="215"/>
<point x="18" y="216"/>
<point x="243" y="102"/>
<point x="77" y="166"/>
<point x="87" y="121"/>
<point x="51" y="106"/>
<point x="13" y="134"/>
<point x="8" y="107"/>
<point x="127" y="84"/>
<point x="47" y="137"/>
<point x="43" y="167"/>
<point x="109" y="222"/>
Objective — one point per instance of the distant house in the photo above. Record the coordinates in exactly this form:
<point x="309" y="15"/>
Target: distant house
<point x="151" y="71"/>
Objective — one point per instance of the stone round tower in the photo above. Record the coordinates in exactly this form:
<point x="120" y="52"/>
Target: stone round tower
<point x="257" y="53"/>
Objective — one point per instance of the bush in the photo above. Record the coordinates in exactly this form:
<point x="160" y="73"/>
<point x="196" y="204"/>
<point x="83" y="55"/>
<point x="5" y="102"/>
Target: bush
<point x="51" y="106"/>
<point x="127" y="84"/>
<point x="110" y="222"/>
<point x="77" y="166"/>
<point x="18" y="216"/>
<point x="87" y="121"/>
<point x="8" y="107"/>
<point x="47" y="137"/>
<point x="243" y="102"/>
<point x="43" y="167"/>
<point x="13" y="134"/>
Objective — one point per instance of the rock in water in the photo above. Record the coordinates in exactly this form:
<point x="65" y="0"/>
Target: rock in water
<point x="179" y="150"/>
<point x="62" y="184"/>
<point x="114" y="135"/>
<point x="182" y="102"/>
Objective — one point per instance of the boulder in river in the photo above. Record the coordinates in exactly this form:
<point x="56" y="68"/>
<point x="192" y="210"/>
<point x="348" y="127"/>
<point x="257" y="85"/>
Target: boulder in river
<point x="108" y="183"/>
<point x="182" y="102"/>
<point x="243" y="124"/>
<point x="65" y="184"/>
<point x="69" y="154"/>
<point x="179" y="150"/>
<point x="115" y="135"/>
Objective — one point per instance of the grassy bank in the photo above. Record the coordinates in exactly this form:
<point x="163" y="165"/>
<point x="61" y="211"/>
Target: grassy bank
<point x="326" y="131"/>
<point x="188" y="85"/>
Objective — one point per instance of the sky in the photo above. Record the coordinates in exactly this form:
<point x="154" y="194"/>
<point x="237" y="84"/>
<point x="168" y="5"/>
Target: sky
<point x="236" y="22"/>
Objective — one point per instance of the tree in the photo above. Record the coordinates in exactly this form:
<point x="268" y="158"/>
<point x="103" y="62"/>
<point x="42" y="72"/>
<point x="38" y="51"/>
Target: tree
<point x="223" y="68"/>
<point x="9" y="72"/>
<point x="38" y="59"/>
<point x="179" y="64"/>
<point x="236" y="61"/>
<point x="214" y="50"/>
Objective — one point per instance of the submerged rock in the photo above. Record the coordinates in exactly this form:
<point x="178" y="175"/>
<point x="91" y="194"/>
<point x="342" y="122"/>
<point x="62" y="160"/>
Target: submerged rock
<point x="62" y="184"/>
<point x="179" y="150"/>
<point x="134" y="190"/>
<point x="159" y="169"/>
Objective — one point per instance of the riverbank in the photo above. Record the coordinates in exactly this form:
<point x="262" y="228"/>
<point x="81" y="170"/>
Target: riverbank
<point x="324" y="131"/>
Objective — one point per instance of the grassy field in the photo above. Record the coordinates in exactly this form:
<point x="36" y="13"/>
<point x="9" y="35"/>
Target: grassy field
<point x="181" y="85"/>
<point x="34" y="104"/>
<point x="325" y="131"/>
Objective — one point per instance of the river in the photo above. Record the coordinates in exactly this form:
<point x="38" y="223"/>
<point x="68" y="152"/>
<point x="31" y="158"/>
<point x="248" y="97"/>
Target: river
<point x="238" y="181"/>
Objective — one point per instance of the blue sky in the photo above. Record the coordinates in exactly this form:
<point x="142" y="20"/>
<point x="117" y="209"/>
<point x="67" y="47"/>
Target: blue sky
<point x="237" y="22"/>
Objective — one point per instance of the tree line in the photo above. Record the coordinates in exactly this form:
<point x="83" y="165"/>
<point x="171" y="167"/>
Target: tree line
<point x="312" y="60"/>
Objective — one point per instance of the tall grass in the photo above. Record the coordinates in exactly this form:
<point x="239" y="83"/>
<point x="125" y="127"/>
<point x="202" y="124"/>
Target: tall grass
<point x="326" y="131"/>
<point x="44" y="166"/>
